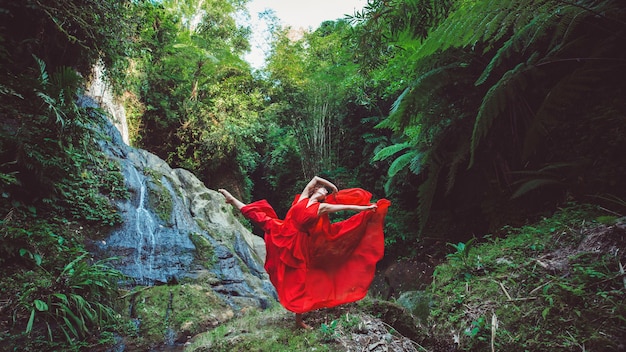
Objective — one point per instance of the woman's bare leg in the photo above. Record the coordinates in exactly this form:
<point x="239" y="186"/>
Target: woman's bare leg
<point x="300" y="323"/>
<point x="231" y="200"/>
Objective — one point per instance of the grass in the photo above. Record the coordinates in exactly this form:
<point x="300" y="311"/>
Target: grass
<point x="540" y="288"/>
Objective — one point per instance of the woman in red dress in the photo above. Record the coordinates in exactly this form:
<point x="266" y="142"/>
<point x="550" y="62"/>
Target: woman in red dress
<point x="313" y="262"/>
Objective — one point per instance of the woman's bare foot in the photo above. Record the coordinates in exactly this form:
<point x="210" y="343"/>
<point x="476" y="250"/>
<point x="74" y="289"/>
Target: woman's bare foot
<point x="300" y="323"/>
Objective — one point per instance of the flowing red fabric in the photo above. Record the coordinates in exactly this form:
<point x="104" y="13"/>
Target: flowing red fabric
<point x="314" y="263"/>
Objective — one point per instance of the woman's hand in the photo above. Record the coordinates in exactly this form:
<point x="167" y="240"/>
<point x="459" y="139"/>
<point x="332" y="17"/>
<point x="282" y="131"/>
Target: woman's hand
<point x="371" y="207"/>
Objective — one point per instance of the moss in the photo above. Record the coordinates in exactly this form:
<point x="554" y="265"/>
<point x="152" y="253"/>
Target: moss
<point x="269" y="330"/>
<point x="204" y="253"/>
<point x="159" y="197"/>
<point x="540" y="284"/>
<point x="185" y="309"/>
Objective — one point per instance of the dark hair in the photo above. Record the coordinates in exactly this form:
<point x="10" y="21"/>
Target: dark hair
<point x="315" y="188"/>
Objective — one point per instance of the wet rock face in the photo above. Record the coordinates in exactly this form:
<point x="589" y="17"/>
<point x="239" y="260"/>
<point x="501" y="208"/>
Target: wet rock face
<point x="167" y="215"/>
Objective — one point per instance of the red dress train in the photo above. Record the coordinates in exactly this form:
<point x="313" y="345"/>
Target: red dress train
<point x="314" y="263"/>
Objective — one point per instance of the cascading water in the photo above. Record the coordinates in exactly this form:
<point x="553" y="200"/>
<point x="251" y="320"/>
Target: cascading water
<point x="149" y="249"/>
<point x="145" y="226"/>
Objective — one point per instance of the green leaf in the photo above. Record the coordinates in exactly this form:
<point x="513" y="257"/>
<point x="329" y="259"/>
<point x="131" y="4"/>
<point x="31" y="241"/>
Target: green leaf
<point x="37" y="259"/>
<point x="389" y="151"/>
<point x="544" y="313"/>
<point x="399" y="164"/>
<point x="41" y="305"/>
<point x="31" y="320"/>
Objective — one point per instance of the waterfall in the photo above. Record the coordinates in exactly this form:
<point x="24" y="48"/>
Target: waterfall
<point x="145" y="231"/>
<point x="149" y="249"/>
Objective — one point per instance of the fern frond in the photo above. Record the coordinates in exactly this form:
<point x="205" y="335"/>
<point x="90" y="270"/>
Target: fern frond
<point x="417" y="163"/>
<point x="458" y="157"/>
<point x="534" y="184"/>
<point x="572" y="87"/>
<point x="496" y="101"/>
<point x="406" y="109"/>
<point x="569" y="19"/>
<point x="43" y="74"/>
<point x="400" y="163"/>
<point x="426" y="194"/>
<point x="518" y="42"/>
<point x="389" y="151"/>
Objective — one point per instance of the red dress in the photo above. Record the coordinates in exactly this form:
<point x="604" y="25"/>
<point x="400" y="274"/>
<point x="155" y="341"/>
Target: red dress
<point x="314" y="263"/>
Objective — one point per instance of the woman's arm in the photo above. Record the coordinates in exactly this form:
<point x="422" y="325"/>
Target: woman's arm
<point x="326" y="183"/>
<point x="333" y="208"/>
<point x="314" y="181"/>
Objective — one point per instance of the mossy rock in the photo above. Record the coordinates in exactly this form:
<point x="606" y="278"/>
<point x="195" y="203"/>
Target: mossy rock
<point x="174" y="313"/>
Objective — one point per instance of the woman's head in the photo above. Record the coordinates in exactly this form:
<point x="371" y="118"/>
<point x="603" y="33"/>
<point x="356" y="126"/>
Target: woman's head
<point x="318" y="192"/>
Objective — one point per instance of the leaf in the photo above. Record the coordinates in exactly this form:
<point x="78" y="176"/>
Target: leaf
<point x="544" y="313"/>
<point x="62" y="297"/>
<point x="389" y="151"/>
<point x="496" y="101"/>
<point x="40" y="305"/>
<point x="31" y="320"/>
<point x="399" y="164"/>
<point x="534" y="184"/>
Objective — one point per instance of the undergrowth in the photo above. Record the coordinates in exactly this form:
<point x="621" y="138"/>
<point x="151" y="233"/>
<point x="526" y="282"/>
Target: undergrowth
<point x="557" y="285"/>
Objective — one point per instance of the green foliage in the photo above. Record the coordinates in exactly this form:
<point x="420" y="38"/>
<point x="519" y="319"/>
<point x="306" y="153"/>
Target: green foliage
<point x="462" y="253"/>
<point x="329" y="331"/>
<point x="73" y="302"/>
<point x="313" y="75"/>
<point x="381" y="22"/>
<point x="67" y="33"/>
<point x="201" y="105"/>
<point x="552" y="285"/>
<point x="59" y="297"/>
<point x="490" y="88"/>
<point x="53" y="156"/>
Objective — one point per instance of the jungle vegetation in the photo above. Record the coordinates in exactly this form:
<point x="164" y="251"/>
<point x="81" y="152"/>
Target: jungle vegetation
<point x="467" y="115"/>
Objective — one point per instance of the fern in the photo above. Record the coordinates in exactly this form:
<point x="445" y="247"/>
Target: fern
<point x="495" y="102"/>
<point x="573" y="86"/>
<point x="400" y="163"/>
<point x="459" y="156"/>
<point x="549" y="175"/>
<point x="407" y="108"/>
<point x="390" y="151"/>
<point x="426" y="193"/>
<point x="515" y="45"/>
